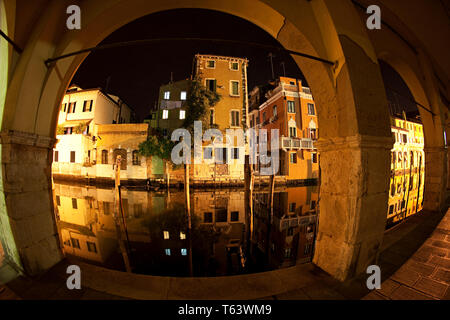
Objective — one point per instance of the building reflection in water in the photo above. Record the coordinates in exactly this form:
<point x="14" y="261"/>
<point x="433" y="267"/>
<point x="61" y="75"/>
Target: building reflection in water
<point x="158" y="237"/>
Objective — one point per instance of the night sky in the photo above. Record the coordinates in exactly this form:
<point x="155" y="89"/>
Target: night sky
<point x="137" y="72"/>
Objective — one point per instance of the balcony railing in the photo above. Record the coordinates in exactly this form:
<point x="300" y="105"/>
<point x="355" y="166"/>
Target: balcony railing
<point x="297" y="143"/>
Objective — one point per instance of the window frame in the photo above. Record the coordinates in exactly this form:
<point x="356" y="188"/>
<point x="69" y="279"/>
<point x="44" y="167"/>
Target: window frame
<point x="290" y="103"/>
<point x="231" y="88"/>
<point x="232" y="118"/>
<point x="231" y="65"/>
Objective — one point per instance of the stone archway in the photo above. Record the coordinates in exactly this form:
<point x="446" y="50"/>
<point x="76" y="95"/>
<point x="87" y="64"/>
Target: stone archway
<point x="354" y="143"/>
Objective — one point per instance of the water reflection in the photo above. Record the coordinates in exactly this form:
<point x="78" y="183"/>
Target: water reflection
<point x="222" y="240"/>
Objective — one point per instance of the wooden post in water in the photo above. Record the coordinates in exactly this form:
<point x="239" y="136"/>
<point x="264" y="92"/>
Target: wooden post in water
<point x="187" y="198"/>
<point x="118" y="215"/>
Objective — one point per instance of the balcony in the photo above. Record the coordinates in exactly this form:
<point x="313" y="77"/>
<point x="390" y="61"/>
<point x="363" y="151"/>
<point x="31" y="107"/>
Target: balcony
<point x="296" y="143"/>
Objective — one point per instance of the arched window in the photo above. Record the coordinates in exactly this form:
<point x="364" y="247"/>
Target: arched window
<point x="104" y="156"/>
<point x="136" y="160"/>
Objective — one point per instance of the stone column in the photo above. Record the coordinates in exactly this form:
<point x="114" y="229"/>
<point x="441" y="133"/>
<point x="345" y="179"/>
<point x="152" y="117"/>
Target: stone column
<point x="353" y="203"/>
<point x="435" y="178"/>
<point x="26" y="174"/>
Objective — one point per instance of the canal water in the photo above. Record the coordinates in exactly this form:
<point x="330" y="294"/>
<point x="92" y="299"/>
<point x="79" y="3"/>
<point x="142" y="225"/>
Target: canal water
<point x="154" y="237"/>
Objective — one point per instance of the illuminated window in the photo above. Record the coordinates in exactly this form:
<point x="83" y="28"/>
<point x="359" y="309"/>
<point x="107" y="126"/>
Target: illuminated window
<point x="183" y="95"/>
<point x="167" y="95"/>
<point x="167" y="252"/>
<point x="166" y="234"/>
<point x="182" y="114"/>
<point x="165" y="114"/>
<point x="234" y="88"/>
<point x="183" y="252"/>
<point x="182" y="235"/>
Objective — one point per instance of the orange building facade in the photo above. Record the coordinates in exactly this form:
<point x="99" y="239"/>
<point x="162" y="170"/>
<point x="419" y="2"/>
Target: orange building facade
<point x="288" y="107"/>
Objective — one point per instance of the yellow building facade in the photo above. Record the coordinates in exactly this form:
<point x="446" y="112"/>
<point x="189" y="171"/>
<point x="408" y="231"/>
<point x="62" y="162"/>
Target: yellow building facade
<point x="407" y="170"/>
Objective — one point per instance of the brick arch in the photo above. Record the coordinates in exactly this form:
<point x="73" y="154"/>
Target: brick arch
<point x="355" y="136"/>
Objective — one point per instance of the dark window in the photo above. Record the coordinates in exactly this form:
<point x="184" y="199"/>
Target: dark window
<point x="292" y="132"/>
<point x="391" y="209"/>
<point x="75" y="243"/>
<point x="235" y="118"/>
<point x="211" y="116"/>
<point x="107" y="208"/>
<point x="64" y="107"/>
<point x="290" y="231"/>
<point x="74" y="203"/>
<point x="58" y="200"/>
<point x="221" y="155"/>
<point x="292" y="207"/>
<point x="211" y="84"/>
<point x="84" y="105"/>
<point x="234" y="66"/>
<point x="56" y="156"/>
<point x="234" y="216"/>
<point x="221" y="215"/>
<point x="235" y="153"/>
<point x="104" y="156"/>
<point x="207" y="153"/>
<point x="210" y="64"/>
<point x="72" y="156"/>
<point x="293" y="157"/>
<point x="314" y="157"/>
<point x="207" y="217"/>
<point x="313" y="204"/>
<point x="136" y="160"/>
<point x="291" y="106"/>
<point x="91" y="246"/>
<point x="72" y="106"/>
<point x="137" y="210"/>
<point x="311" y="110"/>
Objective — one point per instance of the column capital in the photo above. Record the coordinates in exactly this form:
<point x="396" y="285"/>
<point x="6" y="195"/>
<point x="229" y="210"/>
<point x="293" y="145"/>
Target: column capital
<point x="26" y="138"/>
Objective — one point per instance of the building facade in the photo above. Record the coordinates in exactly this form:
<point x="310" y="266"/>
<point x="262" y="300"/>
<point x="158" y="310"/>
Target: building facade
<point x="93" y="129"/>
<point x="407" y="170"/>
<point x="288" y="107"/>
<point x="228" y="77"/>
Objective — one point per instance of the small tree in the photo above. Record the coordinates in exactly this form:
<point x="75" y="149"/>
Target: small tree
<point x="157" y="145"/>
